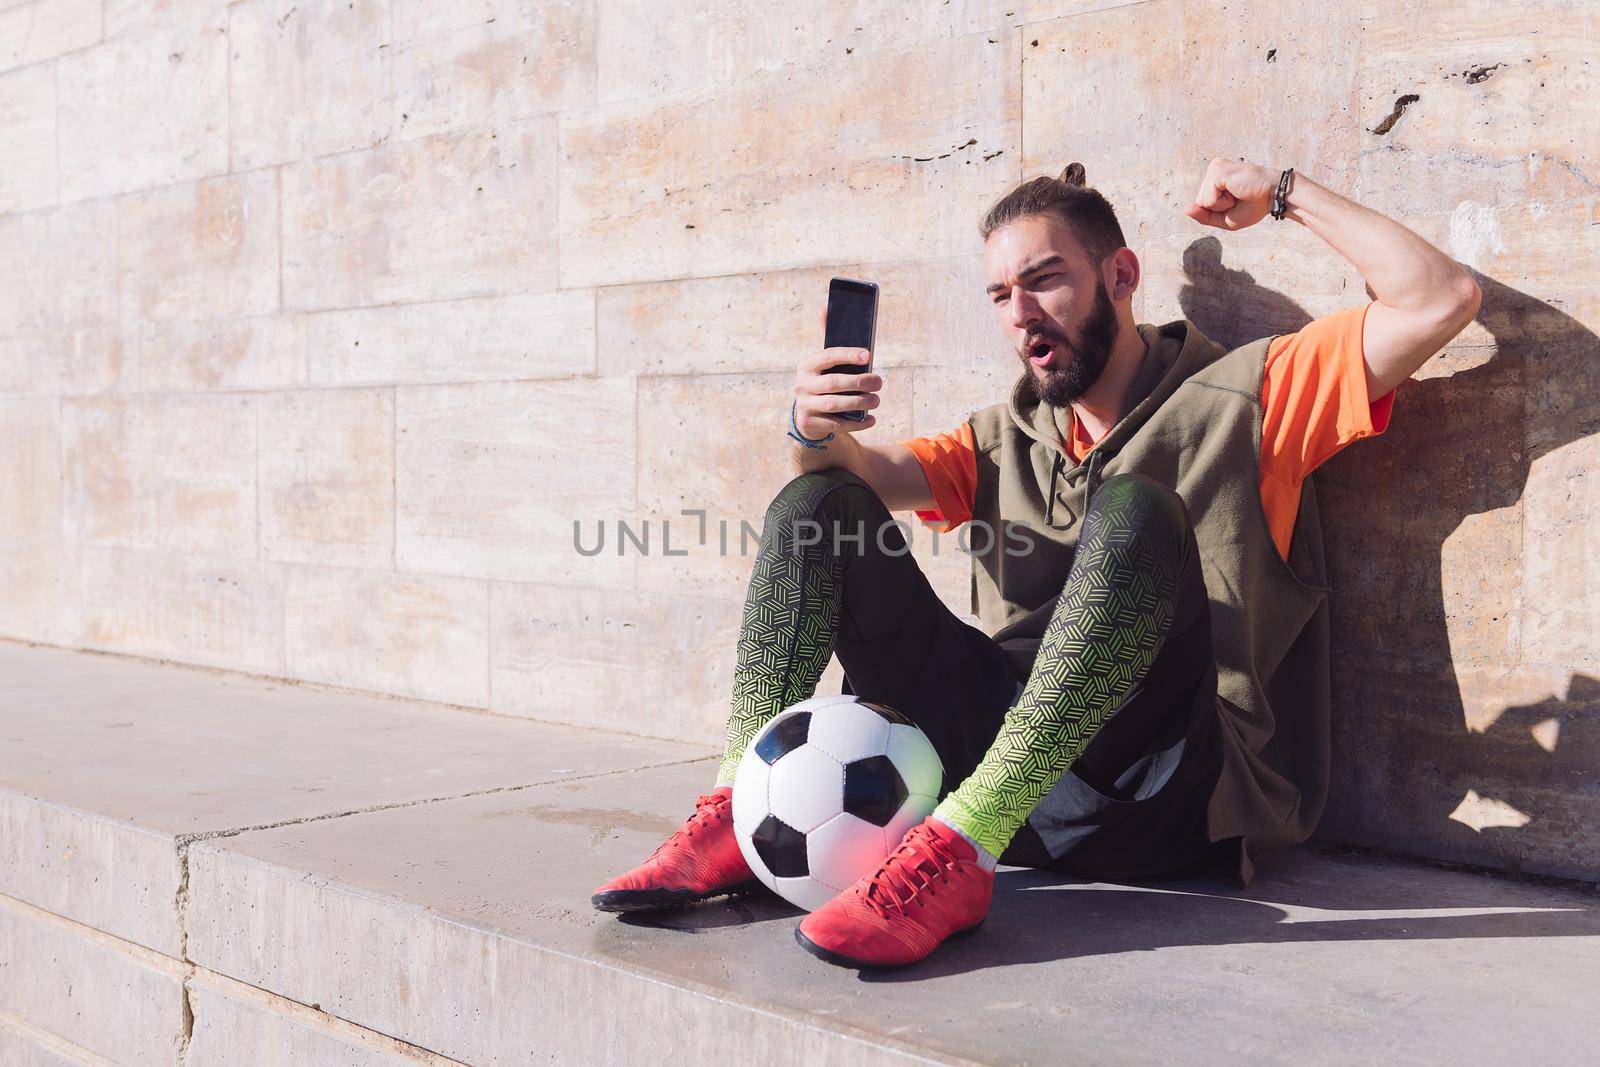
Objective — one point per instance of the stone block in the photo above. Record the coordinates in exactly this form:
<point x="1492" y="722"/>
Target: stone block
<point x="185" y="355"/>
<point x="895" y="155"/>
<point x="146" y="108"/>
<point x="30" y="479"/>
<point x="326" y="468"/>
<point x="44" y="29"/>
<point x="41" y="593"/>
<point x="105" y="873"/>
<point x="1496" y="116"/>
<point x="236" y="1023"/>
<point x="84" y="987"/>
<point x="218" y="613"/>
<point x="207" y="248"/>
<point x="470" y="214"/>
<point x="404" y="634"/>
<point x="532" y="335"/>
<point x="490" y="62"/>
<point x="306" y="79"/>
<point x="28" y="1046"/>
<point x="490" y="480"/>
<point x="647" y="663"/>
<point x="929" y="312"/>
<point x="176" y="473"/>
<point x="28" y="130"/>
<point x="1560" y="556"/>
<point x="71" y="278"/>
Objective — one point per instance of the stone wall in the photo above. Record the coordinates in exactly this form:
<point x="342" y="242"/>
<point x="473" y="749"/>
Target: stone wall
<point x="321" y="322"/>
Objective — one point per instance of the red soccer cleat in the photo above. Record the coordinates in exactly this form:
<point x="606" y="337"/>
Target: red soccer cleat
<point x="929" y="889"/>
<point x="699" y="861"/>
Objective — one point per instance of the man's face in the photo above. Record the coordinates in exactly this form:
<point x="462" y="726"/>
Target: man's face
<point x="1052" y="304"/>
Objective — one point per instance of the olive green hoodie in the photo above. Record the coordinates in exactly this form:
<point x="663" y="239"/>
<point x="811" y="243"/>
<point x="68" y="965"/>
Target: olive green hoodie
<point x="1191" y="421"/>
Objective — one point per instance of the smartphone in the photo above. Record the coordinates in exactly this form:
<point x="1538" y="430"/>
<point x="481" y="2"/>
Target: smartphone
<point x="852" y="323"/>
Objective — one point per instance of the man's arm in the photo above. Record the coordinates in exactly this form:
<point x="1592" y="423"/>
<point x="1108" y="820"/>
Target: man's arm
<point x="893" y="470"/>
<point x="1422" y="297"/>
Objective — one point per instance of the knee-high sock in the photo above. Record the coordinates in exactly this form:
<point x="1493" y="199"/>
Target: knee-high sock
<point x="791" y="616"/>
<point x="1113" y="613"/>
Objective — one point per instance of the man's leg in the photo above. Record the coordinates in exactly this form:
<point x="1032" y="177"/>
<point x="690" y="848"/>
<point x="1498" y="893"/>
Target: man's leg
<point x="1135" y="571"/>
<point x="832" y="569"/>
<point x="1114" y="615"/>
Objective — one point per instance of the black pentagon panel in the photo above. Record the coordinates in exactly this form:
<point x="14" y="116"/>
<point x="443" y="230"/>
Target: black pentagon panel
<point x="873" y="790"/>
<point x="887" y="712"/>
<point x="781" y="847"/>
<point x="787" y="736"/>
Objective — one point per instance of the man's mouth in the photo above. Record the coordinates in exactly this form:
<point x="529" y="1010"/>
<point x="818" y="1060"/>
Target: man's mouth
<point x="1042" y="352"/>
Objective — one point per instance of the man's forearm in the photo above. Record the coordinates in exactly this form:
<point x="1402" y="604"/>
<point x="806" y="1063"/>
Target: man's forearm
<point x="1405" y="271"/>
<point x="843" y="451"/>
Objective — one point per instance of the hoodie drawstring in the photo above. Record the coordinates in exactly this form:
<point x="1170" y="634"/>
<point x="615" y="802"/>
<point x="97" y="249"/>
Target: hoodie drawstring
<point x="1050" y="504"/>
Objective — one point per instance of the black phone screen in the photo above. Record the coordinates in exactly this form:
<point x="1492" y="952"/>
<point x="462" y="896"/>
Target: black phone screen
<point x="852" y="323"/>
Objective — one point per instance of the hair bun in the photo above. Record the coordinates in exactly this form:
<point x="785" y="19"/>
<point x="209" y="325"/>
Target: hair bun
<point x="1073" y="175"/>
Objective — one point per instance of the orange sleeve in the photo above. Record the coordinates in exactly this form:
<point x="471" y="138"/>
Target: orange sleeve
<point x="1314" y="402"/>
<point x="950" y="463"/>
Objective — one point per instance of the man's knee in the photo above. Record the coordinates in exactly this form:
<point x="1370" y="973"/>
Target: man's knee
<point x="1139" y="500"/>
<point x="805" y="493"/>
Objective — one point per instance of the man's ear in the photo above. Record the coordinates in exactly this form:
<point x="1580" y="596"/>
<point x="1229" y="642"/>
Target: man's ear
<point x="1122" y="273"/>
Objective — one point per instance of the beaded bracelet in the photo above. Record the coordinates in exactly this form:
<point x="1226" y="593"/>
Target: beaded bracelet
<point x="794" y="431"/>
<point x="1280" y="199"/>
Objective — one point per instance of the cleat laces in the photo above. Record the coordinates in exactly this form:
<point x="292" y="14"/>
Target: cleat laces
<point x="902" y="879"/>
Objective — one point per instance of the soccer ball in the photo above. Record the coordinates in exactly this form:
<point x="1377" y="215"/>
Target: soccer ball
<point x="826" y="790"/>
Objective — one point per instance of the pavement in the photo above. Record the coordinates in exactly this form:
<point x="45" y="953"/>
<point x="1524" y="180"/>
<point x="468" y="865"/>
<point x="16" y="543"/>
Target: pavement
<point x="200" y="867"/>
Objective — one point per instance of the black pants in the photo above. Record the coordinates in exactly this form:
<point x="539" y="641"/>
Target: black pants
<point x="1132" y="807"/>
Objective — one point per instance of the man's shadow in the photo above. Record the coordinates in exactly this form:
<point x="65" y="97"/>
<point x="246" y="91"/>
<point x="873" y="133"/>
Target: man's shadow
<point x="1523" y="783"/>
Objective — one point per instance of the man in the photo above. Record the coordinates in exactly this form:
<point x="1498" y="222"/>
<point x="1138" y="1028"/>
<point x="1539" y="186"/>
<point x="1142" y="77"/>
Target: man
<point x="1151" y="694"/>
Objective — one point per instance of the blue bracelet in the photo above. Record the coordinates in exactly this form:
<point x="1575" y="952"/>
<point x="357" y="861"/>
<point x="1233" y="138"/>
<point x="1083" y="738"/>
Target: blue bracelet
<point x="794" y="431"/>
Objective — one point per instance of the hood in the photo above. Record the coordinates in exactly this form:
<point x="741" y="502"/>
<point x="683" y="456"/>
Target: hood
<point x="1174" y="350"/>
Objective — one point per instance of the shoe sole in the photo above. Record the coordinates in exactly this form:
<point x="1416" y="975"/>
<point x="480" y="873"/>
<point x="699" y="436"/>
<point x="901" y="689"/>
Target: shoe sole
<point x="628" y="900"/>
<point x="839" y="959"/>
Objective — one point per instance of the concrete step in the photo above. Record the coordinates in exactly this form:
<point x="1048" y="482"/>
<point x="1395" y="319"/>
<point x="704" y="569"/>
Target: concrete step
<point x="207" y="868"/>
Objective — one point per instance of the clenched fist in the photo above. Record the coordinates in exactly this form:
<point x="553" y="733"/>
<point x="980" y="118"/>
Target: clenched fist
<point x="1234" y="195"/>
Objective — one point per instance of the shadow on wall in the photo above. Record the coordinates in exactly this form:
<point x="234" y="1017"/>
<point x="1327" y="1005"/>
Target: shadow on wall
<point x="1520" y="786"/>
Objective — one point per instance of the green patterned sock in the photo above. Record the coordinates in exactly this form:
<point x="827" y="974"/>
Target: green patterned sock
<point x="791" y="617"/>
<point x="1107" y="627"/>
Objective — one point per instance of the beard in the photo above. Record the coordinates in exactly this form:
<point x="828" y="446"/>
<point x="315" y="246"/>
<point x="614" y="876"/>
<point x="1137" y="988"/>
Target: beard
<point x="1097" y="336"/>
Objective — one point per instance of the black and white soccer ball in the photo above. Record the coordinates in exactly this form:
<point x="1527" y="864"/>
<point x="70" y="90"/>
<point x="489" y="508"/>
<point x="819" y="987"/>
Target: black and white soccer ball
<point x="826" y="790"/>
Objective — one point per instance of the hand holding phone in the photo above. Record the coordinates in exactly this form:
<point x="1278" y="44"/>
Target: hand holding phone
<point x="835" y="388"/>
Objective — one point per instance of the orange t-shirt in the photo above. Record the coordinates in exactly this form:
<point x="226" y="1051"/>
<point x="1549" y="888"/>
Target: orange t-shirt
<point x="1314" y="403"/>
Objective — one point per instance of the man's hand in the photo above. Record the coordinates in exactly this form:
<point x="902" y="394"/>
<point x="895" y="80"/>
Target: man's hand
<point x="1234" y="195"/>
<point x="817" y="393"/>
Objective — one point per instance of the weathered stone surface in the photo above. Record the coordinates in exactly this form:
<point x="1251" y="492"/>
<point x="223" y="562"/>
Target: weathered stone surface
<point x="469" y="214"/>
<point x="176" y="473"/>
<point x="928" y="312"/>
<point x="533" y="335"/>
<point x="218" y="613"/>
<point x="146" y="108"/>
<point x="82" y="986"/>
<point x="490" y="61"/>
<point x="491" y="483"/>
<point x="1502" y="113"/>
<point x="1560" y="552"/>
<point x="28" y="130"/>
<point x="306" y="79"/>
<point x="73" y="259"/>
<point x="30" y="478"/>
<point x="236" y="1023"/>
<point x="649" y="663"/>
<point x="326" y="465"/>
<point x="181" y="355"/>
<point x="209" y="248"/>
<point x="43" y="29"/>
<point x="404" y="634"/>
<point x="907" y="181"/>
<point x="41" y="593"/>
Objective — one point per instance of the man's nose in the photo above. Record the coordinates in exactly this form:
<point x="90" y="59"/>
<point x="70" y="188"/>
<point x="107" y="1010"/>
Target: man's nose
<point x="1024" y="309"/>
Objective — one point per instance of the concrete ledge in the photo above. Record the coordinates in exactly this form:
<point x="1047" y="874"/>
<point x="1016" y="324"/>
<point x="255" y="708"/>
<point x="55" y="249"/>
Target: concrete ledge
<point x="372" y="881"/>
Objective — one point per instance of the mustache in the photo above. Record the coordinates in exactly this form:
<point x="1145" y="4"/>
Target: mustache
<point x="1040" y="335"/>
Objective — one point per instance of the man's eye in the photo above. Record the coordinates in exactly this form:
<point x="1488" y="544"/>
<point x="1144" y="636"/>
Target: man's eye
<point x="1001" y="299"/>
